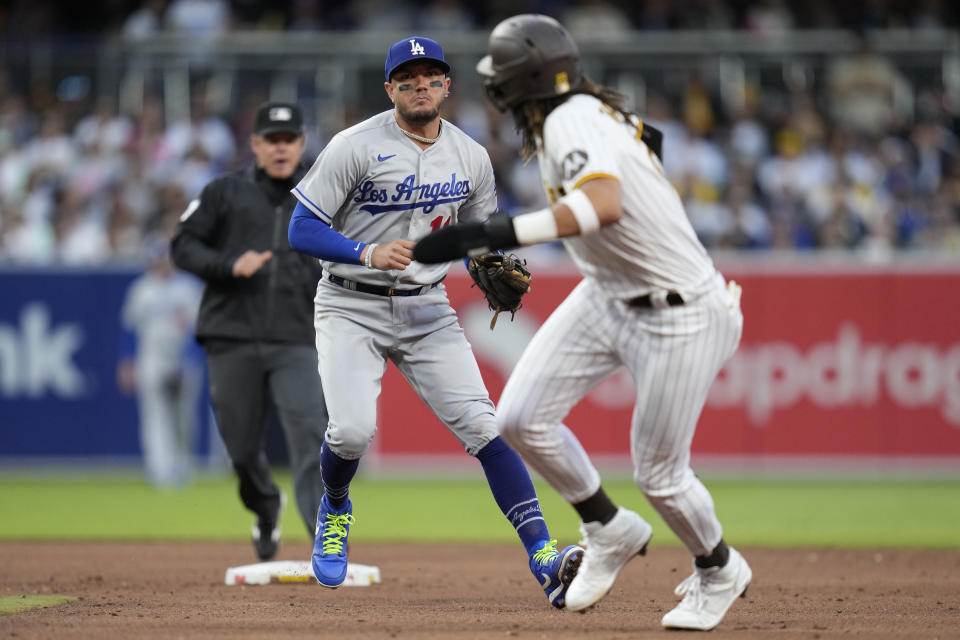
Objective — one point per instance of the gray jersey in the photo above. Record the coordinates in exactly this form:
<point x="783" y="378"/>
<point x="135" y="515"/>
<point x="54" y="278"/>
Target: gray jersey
<point x="374" y="184"/>
<point x="162" y="311"/>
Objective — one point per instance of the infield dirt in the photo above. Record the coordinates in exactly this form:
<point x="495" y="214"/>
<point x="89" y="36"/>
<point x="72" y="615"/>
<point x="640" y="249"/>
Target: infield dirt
<point x="176" y="590"/>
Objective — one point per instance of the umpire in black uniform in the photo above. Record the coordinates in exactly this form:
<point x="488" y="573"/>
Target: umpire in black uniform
<point x="256" y="319"/>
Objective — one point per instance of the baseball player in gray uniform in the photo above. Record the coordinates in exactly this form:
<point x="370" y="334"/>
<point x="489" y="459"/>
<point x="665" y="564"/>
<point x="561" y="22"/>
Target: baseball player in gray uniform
<point x="160" y="309"/>
<point x="375" y="189"/>
<point x="650" y="300"/>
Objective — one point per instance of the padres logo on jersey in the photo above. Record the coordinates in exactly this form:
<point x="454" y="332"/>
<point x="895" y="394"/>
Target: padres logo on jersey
<point x="572" y="163"/>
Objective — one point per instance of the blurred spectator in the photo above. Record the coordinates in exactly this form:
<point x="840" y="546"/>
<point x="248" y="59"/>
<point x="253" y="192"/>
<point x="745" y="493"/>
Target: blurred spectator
<point x="928" y="15"/>
<point x="768" y="17"/>
<point x="660" y="113"/>
<point x="199" y="19"/>
<point x="749" y="140"/>
<point x="201" y="23"/>
<point x="655" y="15"/>
<point x="933" y="146"/>
<point x="863" y="91"/>
<point x="204" y="133"/>
<point x="52" y="148"/>
<point x="306" y="16"/>
<point x="23" y="241"/>
<point x="711" y="219"/>
<point x="164" y="369"/>
<point x="750" y="226"/>
<point x="593" y="19"/>
<point x="829" y="143"/>
<point x="124" y="231"/>
<point x="104" y="128"/>
<point x="79" y="230"/>
<point x="145" y="21"/>
<point x="385" y="15"/>
<point x="444" y="16"/>
<point x="702" y="14"/>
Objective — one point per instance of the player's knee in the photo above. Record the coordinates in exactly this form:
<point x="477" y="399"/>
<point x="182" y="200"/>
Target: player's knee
<point x="510" y="435"/>
<point x="660" y="479"/>
<point x="510" y="416"/>
<point x="531" y="439"/>
<point x="510" y="426"/>
<point x="349" y="443"/>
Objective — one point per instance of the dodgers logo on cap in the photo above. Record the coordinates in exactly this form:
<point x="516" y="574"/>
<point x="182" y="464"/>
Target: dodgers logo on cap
<point x="414" y="48"/>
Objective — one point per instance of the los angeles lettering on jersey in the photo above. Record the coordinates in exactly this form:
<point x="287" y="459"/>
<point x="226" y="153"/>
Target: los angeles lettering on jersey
<point x="428" y="195"/>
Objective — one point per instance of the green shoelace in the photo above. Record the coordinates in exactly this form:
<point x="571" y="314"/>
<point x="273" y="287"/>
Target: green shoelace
<point x="334" y="531"/>
<point x="546" y="554"/>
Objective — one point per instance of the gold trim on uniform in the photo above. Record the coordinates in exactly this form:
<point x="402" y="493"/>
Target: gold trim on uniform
<point x="554" y="193"/>
<point x="593" y="176"/>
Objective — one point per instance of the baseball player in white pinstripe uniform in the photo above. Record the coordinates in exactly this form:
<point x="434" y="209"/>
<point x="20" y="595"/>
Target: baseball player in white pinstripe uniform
<point x="650" y="300"/>
<point x="375" y="189"/>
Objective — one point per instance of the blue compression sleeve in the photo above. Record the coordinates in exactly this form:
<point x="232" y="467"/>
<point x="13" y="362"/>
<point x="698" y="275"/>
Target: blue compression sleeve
<point x="513" y="490"/>
<point x="309" y="234"/>
<point x="336" y="474"/>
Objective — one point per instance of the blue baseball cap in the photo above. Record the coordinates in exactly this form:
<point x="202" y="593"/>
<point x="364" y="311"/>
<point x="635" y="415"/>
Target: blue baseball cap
<point x="413" y="48"/>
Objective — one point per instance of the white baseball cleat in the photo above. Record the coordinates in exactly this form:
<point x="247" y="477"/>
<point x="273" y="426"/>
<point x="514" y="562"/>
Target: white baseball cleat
<point x="609" y="548"/>
<point x="708" y="593"/>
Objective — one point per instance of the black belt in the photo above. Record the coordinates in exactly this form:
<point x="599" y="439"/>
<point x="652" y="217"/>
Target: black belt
<point x="377" y="289"/>
<point x="674" y="299"/>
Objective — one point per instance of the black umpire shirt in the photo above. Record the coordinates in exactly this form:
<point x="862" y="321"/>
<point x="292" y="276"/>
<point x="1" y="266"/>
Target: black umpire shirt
<point x="235" y="212"/>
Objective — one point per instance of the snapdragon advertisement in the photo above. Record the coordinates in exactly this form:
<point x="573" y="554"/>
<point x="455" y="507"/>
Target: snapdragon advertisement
<point x="861" y="361"/>
<point x="853" y="362"/>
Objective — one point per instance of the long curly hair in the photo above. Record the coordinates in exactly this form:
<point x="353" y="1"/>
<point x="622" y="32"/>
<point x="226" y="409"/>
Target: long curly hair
<point x="529" y="116"/>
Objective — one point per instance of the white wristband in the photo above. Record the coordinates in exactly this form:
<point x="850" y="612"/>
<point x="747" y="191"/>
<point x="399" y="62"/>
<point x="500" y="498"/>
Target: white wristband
<point x="579" y="203"/>
<point x="368" y="259"/>
<point x="538" y="226"/>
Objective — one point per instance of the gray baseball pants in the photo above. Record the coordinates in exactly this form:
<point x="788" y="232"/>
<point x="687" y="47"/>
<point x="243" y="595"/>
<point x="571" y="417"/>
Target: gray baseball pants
<point x="244" y="378"/>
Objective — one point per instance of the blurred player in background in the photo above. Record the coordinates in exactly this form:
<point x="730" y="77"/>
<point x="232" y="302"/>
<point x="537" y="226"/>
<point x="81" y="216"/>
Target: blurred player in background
<point x="374" y="189"/>
<point x="161" y="365"/>
<point x="256" y="319"/>
<point x="651" y="300"/>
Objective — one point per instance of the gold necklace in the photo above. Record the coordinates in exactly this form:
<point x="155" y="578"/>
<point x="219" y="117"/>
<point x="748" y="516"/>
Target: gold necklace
<point x="422" y="138"/>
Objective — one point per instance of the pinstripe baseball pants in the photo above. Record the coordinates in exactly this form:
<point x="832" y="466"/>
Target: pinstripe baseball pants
<point x="673" y="354"/>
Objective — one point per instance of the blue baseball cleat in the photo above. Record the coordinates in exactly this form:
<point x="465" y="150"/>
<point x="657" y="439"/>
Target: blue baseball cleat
<point x="330" y="543"/>
<point x="554" y="570"/>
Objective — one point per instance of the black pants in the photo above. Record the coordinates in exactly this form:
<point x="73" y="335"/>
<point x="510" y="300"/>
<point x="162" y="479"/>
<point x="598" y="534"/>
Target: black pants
<point x="244" y="377"/>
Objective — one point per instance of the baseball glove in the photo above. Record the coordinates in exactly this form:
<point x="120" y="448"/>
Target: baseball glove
<point x="503" y="281"/>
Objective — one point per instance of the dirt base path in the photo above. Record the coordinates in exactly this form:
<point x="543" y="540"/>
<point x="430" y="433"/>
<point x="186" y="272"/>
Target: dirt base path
<point x="176" y="590"/>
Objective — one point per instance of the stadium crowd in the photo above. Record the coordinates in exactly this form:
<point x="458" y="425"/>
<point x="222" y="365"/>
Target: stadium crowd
<point x="838" y="164"/>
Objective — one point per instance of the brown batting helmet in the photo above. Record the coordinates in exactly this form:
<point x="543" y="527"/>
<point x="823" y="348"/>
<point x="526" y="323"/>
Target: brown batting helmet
<point x="530" y="57"/>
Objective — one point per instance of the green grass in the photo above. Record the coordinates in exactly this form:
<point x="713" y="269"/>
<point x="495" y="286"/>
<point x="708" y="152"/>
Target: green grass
<point x="918" y="513"/>
<point x="18" y="604"/>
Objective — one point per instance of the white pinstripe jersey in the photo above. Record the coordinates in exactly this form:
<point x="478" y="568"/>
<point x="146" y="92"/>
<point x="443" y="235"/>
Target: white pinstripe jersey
<point x="653" y="246"/>
<point x="374" y="184"/>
